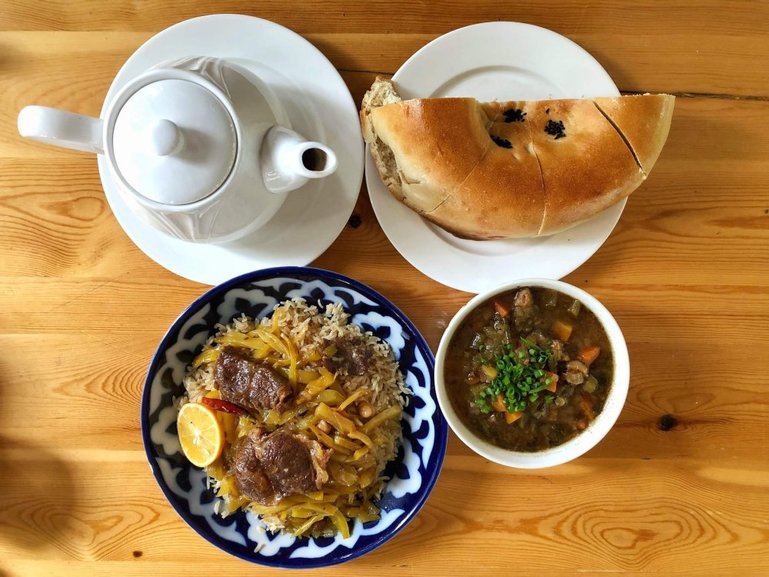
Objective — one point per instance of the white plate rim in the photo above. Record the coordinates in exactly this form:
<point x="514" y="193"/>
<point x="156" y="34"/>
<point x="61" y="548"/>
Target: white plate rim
<point x="476" y="266"/>
<point x="301" y="230"/>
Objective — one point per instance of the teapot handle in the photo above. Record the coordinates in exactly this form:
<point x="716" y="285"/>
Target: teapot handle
<point x="61" y="128"/>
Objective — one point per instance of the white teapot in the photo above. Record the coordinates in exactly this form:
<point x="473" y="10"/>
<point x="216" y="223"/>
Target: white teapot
<point x="200" y="148"/>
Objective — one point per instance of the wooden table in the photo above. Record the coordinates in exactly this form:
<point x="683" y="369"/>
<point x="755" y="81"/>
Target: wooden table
<point x="679" y="486"/>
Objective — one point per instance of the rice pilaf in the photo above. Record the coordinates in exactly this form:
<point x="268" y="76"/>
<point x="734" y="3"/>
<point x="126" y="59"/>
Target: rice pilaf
<point x="348" y="396"/>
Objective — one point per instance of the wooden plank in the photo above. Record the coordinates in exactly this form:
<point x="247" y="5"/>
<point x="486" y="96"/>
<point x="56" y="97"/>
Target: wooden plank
<point x="678" y="487"/>
<point x="640" y="44"/>
<point x="684" y="518"/>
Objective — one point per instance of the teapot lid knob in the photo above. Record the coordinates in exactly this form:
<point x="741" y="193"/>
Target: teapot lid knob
<point x="166" y="138"/>
<point x="174" y="141"/>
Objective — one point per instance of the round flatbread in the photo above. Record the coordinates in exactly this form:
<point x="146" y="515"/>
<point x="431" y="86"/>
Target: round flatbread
<point x="512" y="169"/>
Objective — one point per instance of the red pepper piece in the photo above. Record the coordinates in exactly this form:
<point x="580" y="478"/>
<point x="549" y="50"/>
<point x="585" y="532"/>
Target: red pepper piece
<point x="223" y="406"/>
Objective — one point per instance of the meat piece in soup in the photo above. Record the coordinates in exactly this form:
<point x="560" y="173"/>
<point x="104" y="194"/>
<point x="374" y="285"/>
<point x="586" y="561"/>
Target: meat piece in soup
<point x="529" y="369"/>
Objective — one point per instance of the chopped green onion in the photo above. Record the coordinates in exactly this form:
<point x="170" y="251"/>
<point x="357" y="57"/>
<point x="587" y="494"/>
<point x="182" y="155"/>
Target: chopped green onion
<point x="521" y="377"/>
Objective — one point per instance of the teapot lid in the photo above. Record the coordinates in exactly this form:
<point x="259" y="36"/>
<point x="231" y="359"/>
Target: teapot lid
<point x="174" y="141"/>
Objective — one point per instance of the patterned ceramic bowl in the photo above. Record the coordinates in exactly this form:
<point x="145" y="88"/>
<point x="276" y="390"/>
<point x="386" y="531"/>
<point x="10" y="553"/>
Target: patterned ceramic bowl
<point x="412" y="474"/>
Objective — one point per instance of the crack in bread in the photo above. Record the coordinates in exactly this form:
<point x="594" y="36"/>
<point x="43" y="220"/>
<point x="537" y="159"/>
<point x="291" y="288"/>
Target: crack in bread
<point x="586" y="166"/>
<point x="448" y="197"/>
<point x="514" y="169"/>
<point x="643" y="120"/>
<point x="622" y="136"/>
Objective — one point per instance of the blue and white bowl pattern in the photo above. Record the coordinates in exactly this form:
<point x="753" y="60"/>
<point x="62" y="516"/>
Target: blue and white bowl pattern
<point x="412" y="474"/>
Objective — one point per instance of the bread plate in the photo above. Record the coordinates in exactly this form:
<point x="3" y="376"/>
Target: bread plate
<point x="494" y="61"/>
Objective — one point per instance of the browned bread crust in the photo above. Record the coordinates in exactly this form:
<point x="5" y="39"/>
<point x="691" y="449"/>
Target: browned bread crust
<point x="513" y="169"/>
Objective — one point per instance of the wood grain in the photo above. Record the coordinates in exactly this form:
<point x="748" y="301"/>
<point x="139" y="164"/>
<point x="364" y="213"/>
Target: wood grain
<point x="678" y="487"/>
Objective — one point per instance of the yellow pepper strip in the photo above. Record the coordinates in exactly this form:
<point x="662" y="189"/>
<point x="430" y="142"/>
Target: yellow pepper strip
<point x="362" y="437"/>
<point x="207" y="356"/>
<point x="330" y="397"/>
<point x="345" y="492"/>
<point x="304" y="422"/>
<point x="271" y="418"/>
<point x="260" y="348"/>
<point x="341" y="523"/>
<point x="339" y="457"/>
<point x="314" y="388"/>
<point x="262" y="352"/>
<point x="342" y="474"/>
<point x="393" y="412"/>
<point x="276" y="319"/>
<point x="299" y="513"/>
<point x="353" y="397"/>
<point x="304" y="376"/>
<point x="232" y="338"/>
<point x="293" y="356"/>
<point x="286" y="416"/>
<point x="359" y="453"/>
<point x="327" y="440"/>
<point x="235" y="504"/>
<point x="283" y="506"/>
<point x="302" y="529"/>
<point x="340" y="441"/>
<point x="303" y="508"/>
<point x="330" y="351"/>
<point x="273" y="341"/>
<point x="366" y="477"/>
<point x="340" y="423"/>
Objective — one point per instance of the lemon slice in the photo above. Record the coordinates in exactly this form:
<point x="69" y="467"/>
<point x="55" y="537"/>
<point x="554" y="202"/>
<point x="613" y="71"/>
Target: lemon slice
<point x="200" y="434"/>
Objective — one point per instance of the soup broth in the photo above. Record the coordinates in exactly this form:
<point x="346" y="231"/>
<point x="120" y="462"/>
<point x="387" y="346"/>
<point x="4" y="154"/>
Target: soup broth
<point x="529" y="369"/>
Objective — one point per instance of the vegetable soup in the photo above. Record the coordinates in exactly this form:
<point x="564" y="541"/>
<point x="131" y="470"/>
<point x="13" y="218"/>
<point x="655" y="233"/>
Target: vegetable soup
<point x="529" y="369"/>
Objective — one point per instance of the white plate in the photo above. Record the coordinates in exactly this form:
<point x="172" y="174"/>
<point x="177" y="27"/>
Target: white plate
<point x="320" y="107"/>
<point x="494" y="61"/>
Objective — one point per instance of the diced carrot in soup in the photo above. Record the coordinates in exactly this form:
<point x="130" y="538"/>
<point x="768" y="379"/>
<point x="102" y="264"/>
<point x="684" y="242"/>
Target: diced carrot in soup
<point x="499" y="404"/>
<point x="511" y="418"/>
<point x="588" y="354"/>
<point x="501" y="308"/>
<point x="553" y="387"/>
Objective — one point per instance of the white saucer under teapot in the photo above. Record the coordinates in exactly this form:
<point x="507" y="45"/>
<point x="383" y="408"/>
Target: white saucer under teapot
<point x="200" y="148"/>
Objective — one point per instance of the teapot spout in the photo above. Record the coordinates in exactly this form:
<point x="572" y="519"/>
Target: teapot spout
<point x="289" y="160"/>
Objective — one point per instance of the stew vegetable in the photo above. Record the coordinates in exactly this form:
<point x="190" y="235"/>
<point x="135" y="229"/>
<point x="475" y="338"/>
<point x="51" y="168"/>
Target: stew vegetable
<point x="529" y="369"/>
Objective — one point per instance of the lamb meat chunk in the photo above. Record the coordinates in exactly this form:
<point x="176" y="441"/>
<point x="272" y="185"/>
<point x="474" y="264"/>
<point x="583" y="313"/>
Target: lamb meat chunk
<point x="359" y="356"/>
<point x="250" y="477"/>
<point x="267" y="469"/>
<point x="523" y="309"/>
<point x="243" y="380"/>
<point x="576" y="372"/>
<point x="352" y="356"/>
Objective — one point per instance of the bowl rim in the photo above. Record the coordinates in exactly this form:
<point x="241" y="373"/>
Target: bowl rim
<point x="345" y="554"/>
<point x="572" y="448"/>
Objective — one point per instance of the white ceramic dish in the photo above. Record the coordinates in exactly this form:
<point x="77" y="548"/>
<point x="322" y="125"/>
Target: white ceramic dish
<point x="494" y="61"/>
<point x="578" y="445"/>
<point x="320" y="107"/>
